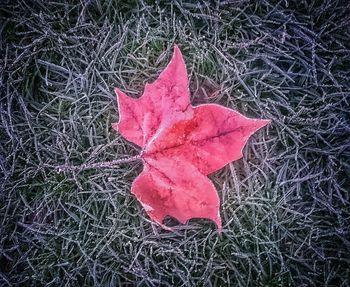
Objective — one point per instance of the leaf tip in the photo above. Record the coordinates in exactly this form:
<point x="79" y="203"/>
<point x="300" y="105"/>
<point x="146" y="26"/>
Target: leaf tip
<point x="264" y="122"/>
<point x="176" y="49"/>
<point x="218" y="222"/>
<point x="115" y="126"/>
<point x="177" y="55"/>
<point x="117" y="92"/>
<point x="260" y="123"/>
<point x="267" y="121"/>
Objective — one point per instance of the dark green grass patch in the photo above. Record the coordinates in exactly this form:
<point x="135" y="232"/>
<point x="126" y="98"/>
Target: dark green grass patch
<point x="285" y="205"/>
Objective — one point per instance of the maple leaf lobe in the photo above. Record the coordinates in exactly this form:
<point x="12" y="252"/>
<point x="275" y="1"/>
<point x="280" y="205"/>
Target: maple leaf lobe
<point x="211" y="139"/>
<point x="163" y="102"/>
<point x="181" y="145"/>
<point x="167" y="189"/>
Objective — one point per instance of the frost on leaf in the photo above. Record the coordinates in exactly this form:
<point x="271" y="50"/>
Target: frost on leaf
<point x="180" y="145"/>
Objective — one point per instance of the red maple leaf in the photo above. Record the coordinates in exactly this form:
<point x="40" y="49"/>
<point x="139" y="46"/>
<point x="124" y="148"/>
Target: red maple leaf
<point x="181" y="145"/>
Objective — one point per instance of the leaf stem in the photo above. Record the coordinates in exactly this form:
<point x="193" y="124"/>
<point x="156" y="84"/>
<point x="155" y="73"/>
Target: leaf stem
<point x="103" y="164"/>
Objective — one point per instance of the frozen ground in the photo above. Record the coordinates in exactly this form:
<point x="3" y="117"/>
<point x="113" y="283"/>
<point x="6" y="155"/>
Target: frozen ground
<point x="285" y="205"/>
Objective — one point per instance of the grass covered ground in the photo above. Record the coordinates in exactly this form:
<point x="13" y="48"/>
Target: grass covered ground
<point x="285" y="205"/>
